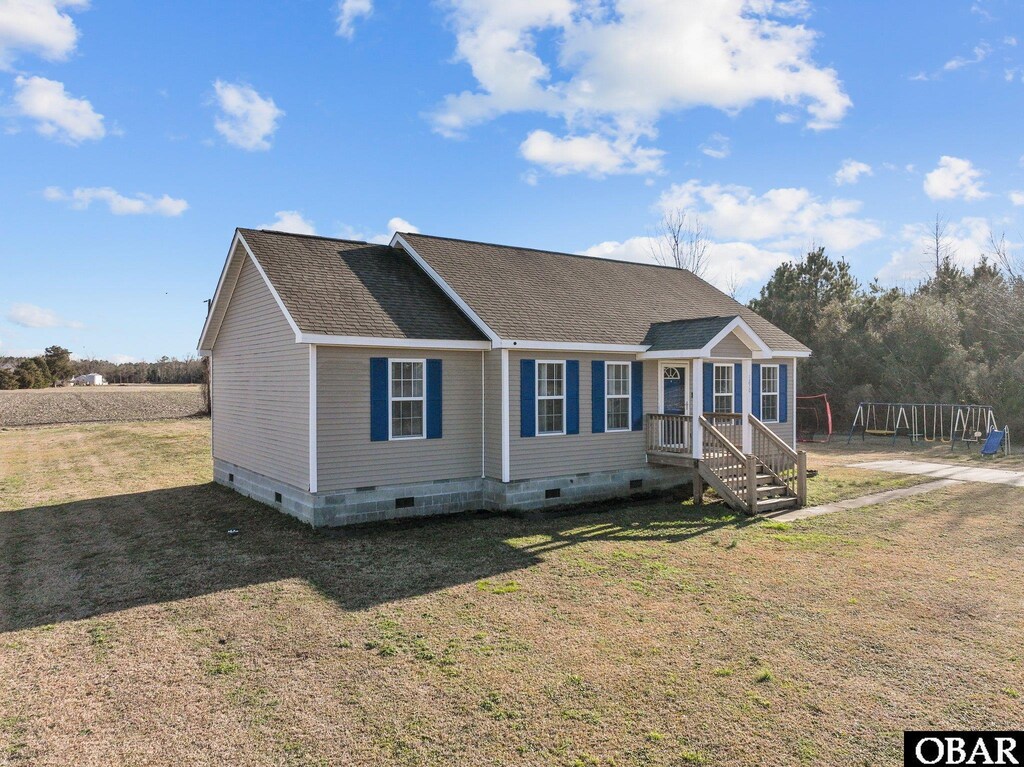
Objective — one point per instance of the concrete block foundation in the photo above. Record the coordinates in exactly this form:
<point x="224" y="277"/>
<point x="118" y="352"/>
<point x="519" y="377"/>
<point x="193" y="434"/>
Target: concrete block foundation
<point x="450" y="496"/>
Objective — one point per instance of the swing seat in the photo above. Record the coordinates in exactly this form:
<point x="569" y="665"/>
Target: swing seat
<point x="879" y="432"/>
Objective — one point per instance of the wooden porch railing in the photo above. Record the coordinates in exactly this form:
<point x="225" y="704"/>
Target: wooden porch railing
<point x="735" y="470"/>
<point x="730" y="425"/>
<point x="669" y="433"/>
<point x="788" y="465"/>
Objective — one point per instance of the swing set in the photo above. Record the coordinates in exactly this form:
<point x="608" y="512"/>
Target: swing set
<point x="930" y="422"/>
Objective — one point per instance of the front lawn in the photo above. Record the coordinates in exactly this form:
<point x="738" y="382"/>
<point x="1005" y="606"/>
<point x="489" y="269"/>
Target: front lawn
<point x="135" y="630"/>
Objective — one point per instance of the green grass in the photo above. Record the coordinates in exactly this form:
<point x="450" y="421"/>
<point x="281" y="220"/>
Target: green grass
<point x="655" y="634"/>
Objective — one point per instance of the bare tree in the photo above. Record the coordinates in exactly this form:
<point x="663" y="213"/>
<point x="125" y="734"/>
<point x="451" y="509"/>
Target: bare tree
<point x="1011" y="264"/>
<point x="940" y="250"/>
<point x="732" y="286"/>
<point x="682" y="241"/>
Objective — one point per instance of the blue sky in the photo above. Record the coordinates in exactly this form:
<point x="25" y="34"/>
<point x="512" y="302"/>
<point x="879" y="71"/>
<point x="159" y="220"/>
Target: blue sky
<point x="135" y="136"/>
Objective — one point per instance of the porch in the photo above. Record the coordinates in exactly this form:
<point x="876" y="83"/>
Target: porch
<point x="736" y="453"/>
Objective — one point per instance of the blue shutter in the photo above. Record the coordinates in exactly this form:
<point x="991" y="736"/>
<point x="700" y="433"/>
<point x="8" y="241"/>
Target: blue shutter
<point x="434" y="399"/>
<point x="572" y="396"/>
<point x="709" y="387"/>
<point x="379" y="399"/>
<point x="636" y="392"/>
<point x="597" y="396"/>
<point x="527" y="398"/>
<point x="755" y="385"/>
<point x="783" y="393"/>
<point x="737" y="388"/>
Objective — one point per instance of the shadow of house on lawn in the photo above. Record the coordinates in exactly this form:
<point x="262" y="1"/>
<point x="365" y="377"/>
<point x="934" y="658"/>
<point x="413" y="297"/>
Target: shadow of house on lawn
<point x="86" y="558"/>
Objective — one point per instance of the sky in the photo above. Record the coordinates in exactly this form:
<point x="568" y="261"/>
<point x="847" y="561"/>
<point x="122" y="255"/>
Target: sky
<point x="134" y="138"/>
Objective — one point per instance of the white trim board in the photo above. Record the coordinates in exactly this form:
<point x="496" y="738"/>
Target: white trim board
<point x="312" y="420"/>
<point x="445" y="287"/>
<point x="392" y="343"/>
<point x="506" y="462"/>
<point x="216" y="294"/>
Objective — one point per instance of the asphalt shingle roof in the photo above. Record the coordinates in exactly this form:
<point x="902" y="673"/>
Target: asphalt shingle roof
<point x="536" y="295"/>
<point x="343" y="287"/>
<point x="685" y="334"/>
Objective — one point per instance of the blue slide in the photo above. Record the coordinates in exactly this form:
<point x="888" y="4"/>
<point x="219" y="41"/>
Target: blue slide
<point x="993" y="443"/>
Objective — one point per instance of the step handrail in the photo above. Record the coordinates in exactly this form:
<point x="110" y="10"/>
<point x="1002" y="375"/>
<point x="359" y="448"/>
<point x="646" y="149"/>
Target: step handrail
<point x="772" y="437"/>
<point x="796" y="460"/>
<point x="709" y="427"/>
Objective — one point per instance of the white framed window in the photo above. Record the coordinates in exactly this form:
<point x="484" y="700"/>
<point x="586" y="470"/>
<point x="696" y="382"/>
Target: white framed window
<point x="407" y="399"/>
<point x="616" y="396"/>
<point x="550" y="397"/>
<point x="725" y="380"/>
<point x="770" y="393"/>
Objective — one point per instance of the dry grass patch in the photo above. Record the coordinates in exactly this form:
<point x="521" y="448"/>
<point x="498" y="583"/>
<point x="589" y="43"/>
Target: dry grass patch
<point x="134" y="630"/>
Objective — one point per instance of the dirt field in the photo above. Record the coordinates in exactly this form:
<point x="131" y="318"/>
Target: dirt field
<point x="134" y="630"/>
<point x="78" y="404"/>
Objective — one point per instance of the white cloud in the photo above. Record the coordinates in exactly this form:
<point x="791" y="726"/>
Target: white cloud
<point x="611" y="70"/>
<point x="32" y="316"/>
<point x="247" y="119"/>
<point x="1017" y="198"/>
<point x="780" y="219"/>
<point x="118" y="204"/>
<point x="290" y="221"/>
<point x="716" y="146"/>
<point x="968" y="241"/>
<point x="57" y="114"/>
<point x="39" y="27"/>
<point x="120" y="359"/>
<point x="954" y="178"/>
<point x="979" y="54"/>
<point x="851" y="171"/>
<point x="348" y="12"/>
<point x="591" y="154"/>
<point x="397" y="224"/>
<point x="732" y="264"/>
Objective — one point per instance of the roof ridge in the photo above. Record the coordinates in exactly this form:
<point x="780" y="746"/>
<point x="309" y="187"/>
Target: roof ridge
<point x="699" y="319"/>
<point x="549" y="252"/>
<point x="314" y="237"/>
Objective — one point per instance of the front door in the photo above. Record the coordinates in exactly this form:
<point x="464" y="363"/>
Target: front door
<point x="673" y="391"/>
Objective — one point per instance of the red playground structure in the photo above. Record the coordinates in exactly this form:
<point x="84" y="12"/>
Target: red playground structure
<point x="813" y="418"/>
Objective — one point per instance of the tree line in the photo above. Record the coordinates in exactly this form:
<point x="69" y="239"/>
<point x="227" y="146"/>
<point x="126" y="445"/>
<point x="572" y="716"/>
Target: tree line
<point x="56" y="367"/>
<point x="957" y="337"/>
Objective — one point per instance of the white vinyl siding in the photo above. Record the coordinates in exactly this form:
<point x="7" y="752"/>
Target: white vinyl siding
<point x="769" y="393"/>
<point x="550" y="398"/>
<point x="407" y="399"/>
<point x="724" y="388"/>
<point x="616" y="396"/>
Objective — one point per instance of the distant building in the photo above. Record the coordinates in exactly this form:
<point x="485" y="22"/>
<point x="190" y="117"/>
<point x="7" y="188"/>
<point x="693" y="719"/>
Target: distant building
<point x="89" y="379"/>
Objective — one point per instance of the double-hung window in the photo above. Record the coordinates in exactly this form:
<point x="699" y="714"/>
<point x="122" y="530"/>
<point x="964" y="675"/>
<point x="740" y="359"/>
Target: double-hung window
<point x="616" y="396"/>
<point x="407" y="399"/>
<point x="769" y="393"/>
<point x="550" y="397"/>
<point x="724" y="392"/>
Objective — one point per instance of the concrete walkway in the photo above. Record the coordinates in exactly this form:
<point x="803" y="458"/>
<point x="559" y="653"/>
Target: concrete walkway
<point x="864" y="500"/>
<point x="946" y="471"/>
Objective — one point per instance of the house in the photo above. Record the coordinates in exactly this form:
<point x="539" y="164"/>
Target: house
<point x="88" y="379"/>
<point x="355" y="382"/>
